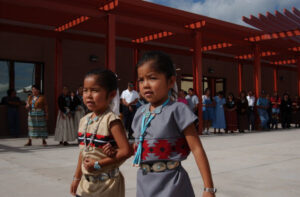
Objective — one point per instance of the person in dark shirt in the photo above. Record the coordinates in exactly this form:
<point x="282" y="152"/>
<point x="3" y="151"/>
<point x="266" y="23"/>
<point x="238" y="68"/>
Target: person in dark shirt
<point x="242" y="110"/>
<point x="286" y="111"/>
<point x="12" y="102"/>
<point x="231" y="114"/>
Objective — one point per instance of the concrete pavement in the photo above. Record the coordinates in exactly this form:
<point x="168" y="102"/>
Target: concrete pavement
<point x="262" y="164"/>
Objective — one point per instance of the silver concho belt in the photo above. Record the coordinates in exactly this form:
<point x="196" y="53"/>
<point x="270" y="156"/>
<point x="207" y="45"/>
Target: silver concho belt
<point x="159" y="166"/>
<point x="104" y="176"/>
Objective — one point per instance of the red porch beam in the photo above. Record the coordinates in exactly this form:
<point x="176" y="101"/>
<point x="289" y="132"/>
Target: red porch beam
<point x="240" y="77"/>
<point x="110" y="60"/>
<point x="197" y="74"/>
<point x="257" y="71"/>
<point x="57" y="72"/>
<point x="71" y="8"/>
<point x="275" y="75"/>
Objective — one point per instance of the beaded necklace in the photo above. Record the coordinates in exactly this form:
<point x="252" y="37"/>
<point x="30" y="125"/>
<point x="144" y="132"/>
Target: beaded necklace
<point x="33" y="101"/>
<point x="89" y="121"/>
<point x="147" y="118"/>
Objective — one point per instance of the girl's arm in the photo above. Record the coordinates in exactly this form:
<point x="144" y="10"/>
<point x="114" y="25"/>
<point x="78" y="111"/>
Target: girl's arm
<point x="124" y="150"/>
<point x="77" y="176"/>
<point x="197" y="149"/>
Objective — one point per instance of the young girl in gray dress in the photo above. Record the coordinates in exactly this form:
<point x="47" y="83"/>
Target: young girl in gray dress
<point x="165" y="134"/>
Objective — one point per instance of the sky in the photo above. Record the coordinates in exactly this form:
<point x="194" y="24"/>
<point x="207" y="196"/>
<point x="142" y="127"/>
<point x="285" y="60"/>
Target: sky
<point x="230" y="10"/>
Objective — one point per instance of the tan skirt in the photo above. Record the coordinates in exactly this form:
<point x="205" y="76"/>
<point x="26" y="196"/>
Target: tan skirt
<point x="114" y="187"/>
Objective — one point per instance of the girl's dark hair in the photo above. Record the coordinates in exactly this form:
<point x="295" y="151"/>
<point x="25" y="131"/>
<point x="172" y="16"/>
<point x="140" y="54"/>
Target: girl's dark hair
<point x="104" y="78"/>
<point x="162" y="63"/>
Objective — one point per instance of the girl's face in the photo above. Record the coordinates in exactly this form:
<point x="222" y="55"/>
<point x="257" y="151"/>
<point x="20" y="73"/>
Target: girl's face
<point x="153" y="85"/>
<point x="94" y="96"/>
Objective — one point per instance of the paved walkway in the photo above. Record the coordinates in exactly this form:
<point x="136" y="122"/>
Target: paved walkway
<point x="258" y="164"/>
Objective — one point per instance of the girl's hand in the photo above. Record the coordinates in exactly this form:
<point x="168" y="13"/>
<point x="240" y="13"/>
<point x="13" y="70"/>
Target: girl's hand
<point x="109" y="150"/>
<point x="74" y="186"/>
<point x="88" y="164"/>
<point x="208" y="194"/>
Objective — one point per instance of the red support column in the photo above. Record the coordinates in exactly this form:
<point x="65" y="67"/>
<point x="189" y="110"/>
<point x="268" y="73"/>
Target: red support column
<point x="275" y="74"/>
<point x="110" y="61"/>
<point x="135" y="61"/>
<point x="58" y="72"/>
<point x="298" y="64"/>
<point x="240" y="77"/>
<point x="197" y="75"/>
<point x="257" y="71"/>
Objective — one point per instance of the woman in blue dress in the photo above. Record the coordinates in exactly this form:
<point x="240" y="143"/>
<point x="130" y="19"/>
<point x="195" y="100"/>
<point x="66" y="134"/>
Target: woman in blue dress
<point x="208" y="110"/>
<point x="262" y="105"/>
<point x="219" y="120"/>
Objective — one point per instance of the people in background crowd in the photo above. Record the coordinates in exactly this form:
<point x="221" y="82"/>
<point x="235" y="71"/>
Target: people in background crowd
<point x="275" y="101"/>
<point x="242" y="111"/>
<point x="231" y="113"/>
<point x="37" y="116"/>
<point x="129" y="99"/>
<point x="251" y="110"/>
<point x="219" y="118"/>
<point x="142" y="101"/>
<point x="296" y="111"/>
<point x="75" y="109"/>
<point x="208" y="110"/>
<point x="286" y="111"/>
<point x="269" y="110"/>
<point x="12" y="102"/>
<point x="262" y="107"/>
<point x="181" y="97"/>
<point x="65" y="131"/>
<point x="192" y="100"/>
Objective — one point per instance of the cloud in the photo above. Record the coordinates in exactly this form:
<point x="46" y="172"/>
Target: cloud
<point x="3" y="87"/>
<point x="230" y="10"/>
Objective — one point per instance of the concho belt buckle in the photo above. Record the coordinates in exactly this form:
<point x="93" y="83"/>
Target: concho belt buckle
<point x="145" y="168"/>
<point x="172" y="165"/>
<point x="90" y="178"/>
<point x="159" y="167"/>
<point x="103" y="177"/>
<point x="114" y="173"/>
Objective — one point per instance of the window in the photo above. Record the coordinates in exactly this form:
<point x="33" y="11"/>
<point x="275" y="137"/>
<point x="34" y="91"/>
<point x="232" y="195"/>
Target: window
<point x="20" y="76"/>
<point x="24" y="78"/>
<point x="4" y="78"/>
<point x="215" y="84"/>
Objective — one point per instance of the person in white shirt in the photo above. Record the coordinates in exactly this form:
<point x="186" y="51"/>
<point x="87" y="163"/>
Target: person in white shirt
<point x="251" y="104"/>
<point x="193" y="101"/>
<point x="129" y="99"/>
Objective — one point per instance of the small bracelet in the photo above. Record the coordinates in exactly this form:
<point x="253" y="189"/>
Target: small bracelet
<point x="210" y="190"/>
<point x="76" y="179"/>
